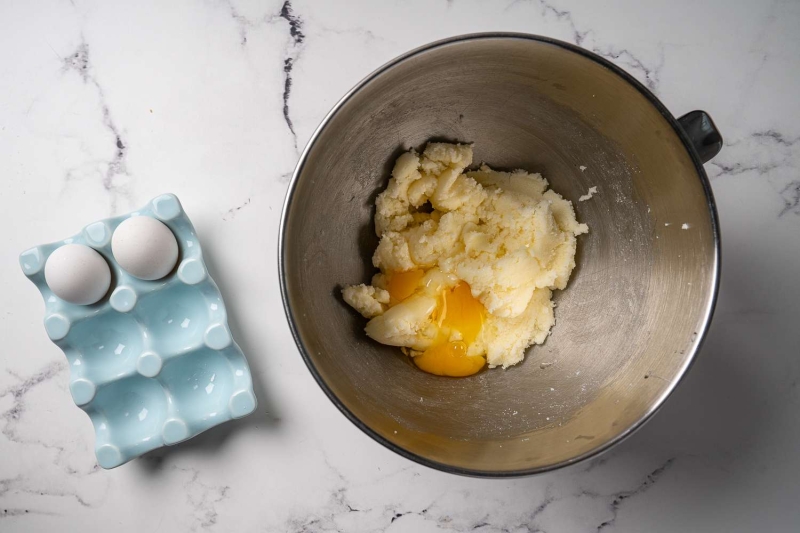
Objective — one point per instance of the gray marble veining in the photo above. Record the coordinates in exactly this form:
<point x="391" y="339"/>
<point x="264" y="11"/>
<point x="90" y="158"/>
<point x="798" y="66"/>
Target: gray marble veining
<point x="106" y="104"/>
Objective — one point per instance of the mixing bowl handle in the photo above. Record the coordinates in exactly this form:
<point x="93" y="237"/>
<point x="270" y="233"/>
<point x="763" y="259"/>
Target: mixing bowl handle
<point x="703" y="133"/>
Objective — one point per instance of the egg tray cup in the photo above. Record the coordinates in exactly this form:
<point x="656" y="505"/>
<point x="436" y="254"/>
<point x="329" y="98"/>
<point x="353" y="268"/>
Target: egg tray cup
<point x="152" y="363"/>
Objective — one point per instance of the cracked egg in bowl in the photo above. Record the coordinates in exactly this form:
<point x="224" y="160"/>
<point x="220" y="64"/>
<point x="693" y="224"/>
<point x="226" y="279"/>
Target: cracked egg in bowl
<point x="482" y="332"/>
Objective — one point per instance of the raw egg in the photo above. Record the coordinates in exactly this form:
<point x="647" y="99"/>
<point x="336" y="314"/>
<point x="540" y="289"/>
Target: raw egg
<point x="401" y="285"/>
<point x="457" y="315"/>
<point x="77" y="274"/>
<point x="144" y="247"/>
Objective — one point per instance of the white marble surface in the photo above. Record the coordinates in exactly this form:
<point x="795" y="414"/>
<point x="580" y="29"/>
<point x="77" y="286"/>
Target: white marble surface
<point x="104" y="105"/>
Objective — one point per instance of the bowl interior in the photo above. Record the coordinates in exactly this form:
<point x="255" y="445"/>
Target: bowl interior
<point x="626" y="327"/>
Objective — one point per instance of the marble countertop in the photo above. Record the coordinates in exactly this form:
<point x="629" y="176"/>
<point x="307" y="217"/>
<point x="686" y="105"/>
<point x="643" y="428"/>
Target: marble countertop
<point x="104" y="105"/>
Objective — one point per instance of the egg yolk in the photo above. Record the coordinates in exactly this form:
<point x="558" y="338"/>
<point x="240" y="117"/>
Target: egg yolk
<point x="457" y="311"/>
<point x="401" y="285"/>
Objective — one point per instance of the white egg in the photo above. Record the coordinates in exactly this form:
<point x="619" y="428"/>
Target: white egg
<point x="77" y="274"/>
<point x="144" y="247"/>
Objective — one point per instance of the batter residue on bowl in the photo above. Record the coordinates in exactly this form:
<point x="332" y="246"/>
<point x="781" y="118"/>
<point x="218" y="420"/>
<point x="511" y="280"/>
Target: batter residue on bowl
<point x="468" y="261"/>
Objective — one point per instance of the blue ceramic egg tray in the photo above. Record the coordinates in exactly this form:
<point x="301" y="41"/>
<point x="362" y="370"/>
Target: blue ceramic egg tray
<point x="153" y="362"/>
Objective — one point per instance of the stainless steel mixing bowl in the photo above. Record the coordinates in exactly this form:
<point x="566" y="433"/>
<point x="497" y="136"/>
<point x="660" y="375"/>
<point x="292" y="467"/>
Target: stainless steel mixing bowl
<point x="637" y="305"/>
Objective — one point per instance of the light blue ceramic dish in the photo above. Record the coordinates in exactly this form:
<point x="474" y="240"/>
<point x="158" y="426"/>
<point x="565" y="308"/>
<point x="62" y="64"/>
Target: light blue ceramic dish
<point x="153" y="362"/>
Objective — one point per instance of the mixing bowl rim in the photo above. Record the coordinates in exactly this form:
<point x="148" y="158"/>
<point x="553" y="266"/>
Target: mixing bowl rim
<point x="692" y="351"/>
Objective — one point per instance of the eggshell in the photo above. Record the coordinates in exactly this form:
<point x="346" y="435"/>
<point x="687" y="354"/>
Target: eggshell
<point x="144" y="247"/>
<point x="77" y="274"/>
